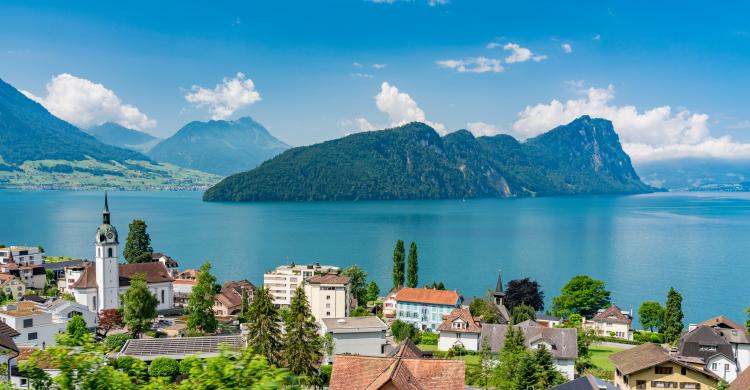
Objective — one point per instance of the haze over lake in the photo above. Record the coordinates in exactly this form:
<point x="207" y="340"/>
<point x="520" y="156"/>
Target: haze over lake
<point x="640" y="245"/>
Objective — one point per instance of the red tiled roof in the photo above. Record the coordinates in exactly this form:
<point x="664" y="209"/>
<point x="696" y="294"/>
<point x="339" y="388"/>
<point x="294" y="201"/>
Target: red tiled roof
<point x="742" y="382"/>
<point x="427" y="295"/>
<point x="328" y="279"/>
<point x="155" y="272"/>
<point x="473" y="325"/>
<point x="613" y="314"/>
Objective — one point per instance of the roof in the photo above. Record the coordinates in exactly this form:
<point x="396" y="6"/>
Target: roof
<point x="728" y="329"/>
<point x="179" y="347"/>
<point x="6" y="330"/>
<point x="44" y="361"/>
<point x="58" y="265"/>
<point x="22" y="309"/>
<point x="6" y="337"/>
<point x="155" y="272"/>
<point x="428" y="295"/>
<point x="33" y="298"/>
<point x="191" y="282"/>
<point x="564" y="341"/>
<point x="231" y="293"/>
<point x="187" y="274"/>
<point x="403" y="371"/>
<point x="692" y="344"/>
<point x="473" y="324"/>
<point x="547" y="317"/>
<point x="328" y="279"/>
<point x="586" y="382"/>
<point x="613" y="314"/>
<point x="354" y="324"/>
<point x="648" y="355"/>
<point x="742" y="382"/>
<point x="170" y="262"/>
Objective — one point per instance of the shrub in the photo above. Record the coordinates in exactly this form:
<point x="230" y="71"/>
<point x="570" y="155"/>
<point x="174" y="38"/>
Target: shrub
<point x="402" y="330"/>
<point x="135" y="368"/>
<point x="188" y="363"/>
<point x="325" y="373"/>
<point x="428" y="338"/>
<point x="114" y="342"/>
<point x="456" y="350"/>
<point x="164" y="367"/>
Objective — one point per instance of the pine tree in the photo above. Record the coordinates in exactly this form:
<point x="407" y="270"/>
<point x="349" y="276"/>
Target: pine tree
<point x="413" y="267"/>
<point x="398" y="264"/>
<point x="201" y="302"/>
<point x="527" y="375"/>
<point x="138" y="306"/>
<point x="672" y="327"/>
<point x="264" y="335"/>
<point x="138" y="246"/>
<point x="547" y="373"/>
<point x="514" y="350"/>
<point x="302" y="345"/>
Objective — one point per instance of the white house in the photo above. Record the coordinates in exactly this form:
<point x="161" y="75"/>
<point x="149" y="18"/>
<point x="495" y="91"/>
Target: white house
<point x="424" y="308"/>
<point x="282" y="281"/>
<point x="35" y="325"/>
<point x="460" y="328"/>
<point x="355" y="335"/>
<point x="611" y="322"/>
<point x="183" y="286"/>
<point x="99" y="285"/>
<point x="719" y="344"/>
<point x="26" y="263"/>
<point x="736" y="335"/>
<point x="329" y="296"/>
<point x="63" y="310"/>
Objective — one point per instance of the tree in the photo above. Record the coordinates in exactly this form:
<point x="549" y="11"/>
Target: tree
<point x="547" y="374"/>
<point x="514" y="351"/>
<point x="302" y="345"/>
<point x="403" y="330"/>
<point x="243" y="370"/>
<point x="522" y="313"/>
<point x="201" y="302"/>
<point x="524" y="292"/>
<point x="651" y="315"/>
<point x="75" y="334"/>
<point x="412" y="270"/>
<point x="527" y="373"/>
<point x="244" y="315"/>
<point x="358" y="280"/>
<point x="373" y="291"/>
<point x="483" y="307"/>
<point x="107" y="320"/>
<point x="138" y="246"/>
<point x="485" y="362"/>
<point x="164" y="366"/>
<point x="398" y="264"/>
<point x="581" y="295"/>
<point x="264" y="335"/>
<point x="138" y="306"/>
<point x="360" y="311"/>
<point x="436" y="286"/>
<point x="672" y="327"/>
<point x="747" y="323"/>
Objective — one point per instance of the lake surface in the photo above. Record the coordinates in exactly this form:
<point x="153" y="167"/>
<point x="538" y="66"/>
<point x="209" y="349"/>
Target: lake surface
<point x="640" y="245"/>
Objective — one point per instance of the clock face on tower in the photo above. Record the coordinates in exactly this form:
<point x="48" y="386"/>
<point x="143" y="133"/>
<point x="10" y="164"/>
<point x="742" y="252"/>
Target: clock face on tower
<point x="110" y="235"/>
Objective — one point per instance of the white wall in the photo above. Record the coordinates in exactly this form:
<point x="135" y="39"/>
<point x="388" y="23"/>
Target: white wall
<point x="360" y="343"/>
<point x="743" y="356"/>
<point x="720" y="362"/>
<point x="448" y="339"/>
<point x="567" y="367"/>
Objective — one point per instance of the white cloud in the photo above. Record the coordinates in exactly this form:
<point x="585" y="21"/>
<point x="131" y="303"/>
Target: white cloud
<point x="356" y="64"/>
<point x="363" y="124"/>
<point x="567" y="48"/>
<point x="401" y="108"/>
<point x="362" y="75"/>
<point x="654" y="134"/>
<point x="435" y="3"/>
<point x="473" y="65"/>
<point x="225" y="98"/>
<point x="521" y="54"/>
<point x="379" y="66"/>
<point x="744" y="124"/>
<point x="493" y="45"/>
<point x="85" y="104"/>
<point x="480" y="129"/>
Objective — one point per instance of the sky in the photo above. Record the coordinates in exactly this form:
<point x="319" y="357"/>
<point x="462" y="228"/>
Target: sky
<point x="673" y="77"/>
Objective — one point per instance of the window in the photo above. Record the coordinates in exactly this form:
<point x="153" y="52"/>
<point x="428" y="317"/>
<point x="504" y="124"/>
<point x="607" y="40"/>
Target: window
<point x="683" y="370"/>
<point x="162" y="296"/>
<point x="663" y="370"/>
<point x="640" y="384"/>
<point x="726" y="367"/>
<point x="328" y="297"/>
<point x="328" y="313"/>
<point x="690" y="385"/>
<point x="28" y="323"/>
<point x="33" y="336"/>
<point x="663" y="385"/>
<point x="109" y="252"/>
<point x="714" y="366"/>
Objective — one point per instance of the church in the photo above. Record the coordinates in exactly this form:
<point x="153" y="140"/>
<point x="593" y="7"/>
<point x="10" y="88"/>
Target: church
<point x="98" y="285"/>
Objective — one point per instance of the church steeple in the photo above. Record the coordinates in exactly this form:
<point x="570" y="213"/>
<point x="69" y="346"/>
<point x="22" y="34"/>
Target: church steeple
<point x="105" y="214"/>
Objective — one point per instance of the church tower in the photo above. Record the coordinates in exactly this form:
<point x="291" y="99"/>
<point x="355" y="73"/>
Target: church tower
<point x="107" y="266"/>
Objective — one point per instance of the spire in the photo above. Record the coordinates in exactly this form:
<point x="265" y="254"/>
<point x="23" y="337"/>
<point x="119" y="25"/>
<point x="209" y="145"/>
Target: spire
<point x="499" y="285"/>
<point x="105" y="214"/>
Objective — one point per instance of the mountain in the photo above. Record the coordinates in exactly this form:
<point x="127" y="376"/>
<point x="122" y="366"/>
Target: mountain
<point x="123" y="137"/>
<point x="220" y="147"/>
<point x="697" y="174"/>
<point x="414" y="162"/>
<point x="39" y="150"/>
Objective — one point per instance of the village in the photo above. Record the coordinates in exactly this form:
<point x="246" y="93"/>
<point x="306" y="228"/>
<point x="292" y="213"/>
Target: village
<point x="324" y="326"/>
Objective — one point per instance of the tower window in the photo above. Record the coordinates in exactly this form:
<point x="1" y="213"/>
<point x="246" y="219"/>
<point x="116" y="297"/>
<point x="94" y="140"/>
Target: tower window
<point x="109" y="252"/>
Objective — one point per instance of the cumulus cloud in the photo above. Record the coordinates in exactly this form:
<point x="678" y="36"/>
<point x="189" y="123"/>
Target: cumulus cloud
<point x="567" y="48"/>
<point x="480" y="129"/>
<point x="521" y="54"/>
<point x="226" y="97"/>
<point x="473" y="65"/>
<point x="401" y="108"/>
<point x="85" y="104"/>
<point x="654" y="134"/>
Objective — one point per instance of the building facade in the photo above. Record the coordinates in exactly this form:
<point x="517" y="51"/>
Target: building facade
<point x="425" y="308"/>
<point x="355" y="335"/>
<point x="651" y="366"/>
<point x="329" y="296"/>
<point x="611" y="322"/>
<point x="460" y="329"/>
<point x="25" y="262"/>
<point x="12" y="286"/>
<point x="282" y="281"/>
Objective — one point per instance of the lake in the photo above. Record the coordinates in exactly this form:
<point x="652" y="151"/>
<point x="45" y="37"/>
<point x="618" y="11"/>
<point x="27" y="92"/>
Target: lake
<point x="640" y="245"/>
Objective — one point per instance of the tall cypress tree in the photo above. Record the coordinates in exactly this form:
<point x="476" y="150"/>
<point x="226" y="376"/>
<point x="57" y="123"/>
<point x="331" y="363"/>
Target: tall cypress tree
<point x="263" y="325"/>
<point x="244" y="308"/>
<point x="672" y="327"/>
<point x="302" y="347"/>
<point x="138" y="246"/>
<point x="398" y="264"/>
<point x="412" y="267"/>
<point x="201" y="302"/>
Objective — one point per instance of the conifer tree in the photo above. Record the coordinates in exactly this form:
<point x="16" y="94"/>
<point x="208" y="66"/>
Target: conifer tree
<point x="514" y="350"/>
<point x="302" y="345"/>
<point x="264" y="335"/>
<point x="547" y="374"/>
<point x="244" y="308"/>
<point x="527" y="375"/>
<point x="138" y="245"/>
<point x="412" y="277"/>
<point x="138" y="306"/>
<point x="398" y="264"/>
<point x="201" y="302"/>
<point x="672" y="326"/>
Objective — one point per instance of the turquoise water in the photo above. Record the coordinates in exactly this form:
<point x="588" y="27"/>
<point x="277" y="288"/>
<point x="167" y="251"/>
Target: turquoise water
<point x="640" y="245"/>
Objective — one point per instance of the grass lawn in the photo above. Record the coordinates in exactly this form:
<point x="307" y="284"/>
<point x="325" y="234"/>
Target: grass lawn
<point x="469" y="359"/>
<point x="600" y="356"/>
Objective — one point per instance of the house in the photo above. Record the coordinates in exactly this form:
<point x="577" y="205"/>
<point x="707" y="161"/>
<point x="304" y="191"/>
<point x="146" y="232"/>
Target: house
<point x="228" y="302"/>
<point x="284" y="280"/>
<point x="736" y="335"/>
<point x="63" y="310"/>
<point x="561" y="342"/>
<point x="719" y="344"/>
<point x="652" y="366"/>
<point x="329" y="296"/>
<point x="424" y="308"/>
<point x="169" y="263"/>
<point x="58" y="267"/>
<point x="182" y="286"/>
<point x="35" y="325"/>
<point x="742" y="382"/>
<point x="586" y="382"/>
<point x="548" y="321"/>
<point x="99" y="285"/>
<point x="12" y="286"/>
<point x="611" y="322"/>
<point x="8" y="348"/>
<point x="355" y="335"/>
<point x="460" y="328"/>
<point x="402" y="371"/>
<point x="389" y="303"/>
<point x="25" y="262"/>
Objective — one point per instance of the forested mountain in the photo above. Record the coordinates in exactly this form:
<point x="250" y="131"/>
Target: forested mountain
<point x="219" y="147"/>
<point x="117" y="135"/>
<point x="698" y="174"/>
<point x="414" y="162"/>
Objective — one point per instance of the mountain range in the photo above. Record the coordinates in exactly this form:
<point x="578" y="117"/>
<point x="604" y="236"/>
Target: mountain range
<point x="414" y="162"/>
<point x="116" y="135"/>
<point x="697" y="174"/>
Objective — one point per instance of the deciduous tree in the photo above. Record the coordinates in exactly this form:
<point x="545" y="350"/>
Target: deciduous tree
<point x="522" y="313"/>
<point x="524" y="292"/>
<point x="264" y="335"/>
<point x="412" y="270"/>
<point x="201" y="302"/>
<point x="107" y="320"/>
<point x="138" y="306"/>
<point x="138" y="245"/>
<point x="373" y="291"/>
<point x="651" y="315"/>
<point x="581" y="295"/>
<point x="358" y="281"/>
<point x="398" y="264"/>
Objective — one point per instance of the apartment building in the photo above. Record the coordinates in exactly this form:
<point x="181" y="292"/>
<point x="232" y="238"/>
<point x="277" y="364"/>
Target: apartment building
<point x="282" y="281"/>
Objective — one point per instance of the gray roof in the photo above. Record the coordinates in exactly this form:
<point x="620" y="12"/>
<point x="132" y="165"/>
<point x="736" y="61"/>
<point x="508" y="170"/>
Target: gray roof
<point x="179" y="347"/>
<point x="693" y="344"/>
<point x="586" y="382"/>
<point x="58" y="265"/>
<point x="564" y="341"/>
<point x="354" y="324"/>
<point x="61" y="304"/>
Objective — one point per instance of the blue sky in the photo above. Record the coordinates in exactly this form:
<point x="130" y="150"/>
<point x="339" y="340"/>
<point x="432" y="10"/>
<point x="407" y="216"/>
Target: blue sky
<point x="312" y="66"/>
